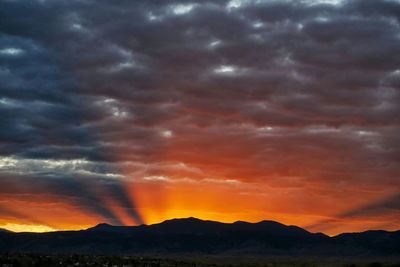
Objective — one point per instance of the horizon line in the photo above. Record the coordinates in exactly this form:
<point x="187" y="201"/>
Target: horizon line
<point x="187" y="218"/>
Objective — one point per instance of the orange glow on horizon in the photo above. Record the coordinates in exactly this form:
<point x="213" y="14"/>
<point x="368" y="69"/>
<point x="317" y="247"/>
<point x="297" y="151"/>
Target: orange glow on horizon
<point x="14" y="227"/>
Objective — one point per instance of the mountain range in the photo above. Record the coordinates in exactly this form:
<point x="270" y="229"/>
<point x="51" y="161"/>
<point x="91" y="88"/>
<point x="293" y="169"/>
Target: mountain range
<point x="191" y="235"/>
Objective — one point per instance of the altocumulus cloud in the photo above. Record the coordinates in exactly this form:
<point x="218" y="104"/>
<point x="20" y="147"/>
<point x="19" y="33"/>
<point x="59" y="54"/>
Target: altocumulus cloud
<point x="95" y="94"/>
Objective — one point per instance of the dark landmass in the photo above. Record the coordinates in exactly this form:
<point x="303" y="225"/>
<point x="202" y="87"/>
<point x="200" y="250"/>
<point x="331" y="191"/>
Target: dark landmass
<point x="192" y="236"/>
<point x="73" y="260"/>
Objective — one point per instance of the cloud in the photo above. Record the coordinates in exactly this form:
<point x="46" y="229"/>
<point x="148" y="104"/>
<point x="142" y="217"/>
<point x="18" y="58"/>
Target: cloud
<point x="387" y="205"/>
<point x="379" y="211"/>
<point x="7" y="213"/>
<point x="253" y="91"/>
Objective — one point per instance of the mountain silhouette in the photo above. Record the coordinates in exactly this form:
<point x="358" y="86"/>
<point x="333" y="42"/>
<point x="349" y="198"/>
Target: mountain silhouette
<point x="193" y="235"/>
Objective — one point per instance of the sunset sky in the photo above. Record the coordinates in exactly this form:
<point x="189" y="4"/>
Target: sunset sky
<point x="131" y="112"/>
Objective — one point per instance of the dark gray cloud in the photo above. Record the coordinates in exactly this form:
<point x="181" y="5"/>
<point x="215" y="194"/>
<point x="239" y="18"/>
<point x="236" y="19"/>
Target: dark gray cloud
<point x="83" y="190"/>
<point x="388" y="205"/>
<point x="7" y="213"/>
<point x="129" y="87"/>
<point x="376" y="209"/>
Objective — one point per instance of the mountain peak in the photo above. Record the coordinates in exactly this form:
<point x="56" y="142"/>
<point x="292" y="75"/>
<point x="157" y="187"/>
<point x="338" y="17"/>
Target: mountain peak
<point x="101" y="226"/>
<point x="188" y="219"/>
<point x="104" y="225"/>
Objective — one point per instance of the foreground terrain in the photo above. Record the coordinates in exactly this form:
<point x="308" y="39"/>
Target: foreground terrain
<point x="41" y="260"/>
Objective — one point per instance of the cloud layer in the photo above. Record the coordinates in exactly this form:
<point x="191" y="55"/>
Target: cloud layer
<point x="290" y="103"/>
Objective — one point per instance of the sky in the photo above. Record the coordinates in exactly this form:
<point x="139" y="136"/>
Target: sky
<point x="132" y="112"/>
